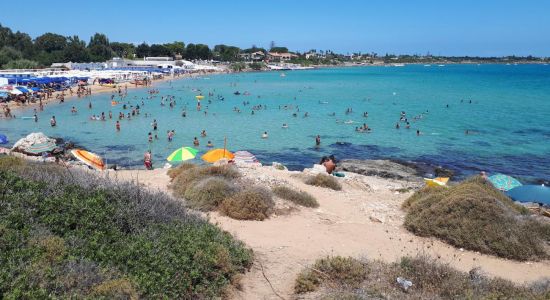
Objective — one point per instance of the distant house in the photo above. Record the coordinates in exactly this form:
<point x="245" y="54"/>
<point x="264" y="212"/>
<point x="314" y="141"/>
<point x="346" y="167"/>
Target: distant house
<point x="254" y="56"/>
<point x="275" y="56"/>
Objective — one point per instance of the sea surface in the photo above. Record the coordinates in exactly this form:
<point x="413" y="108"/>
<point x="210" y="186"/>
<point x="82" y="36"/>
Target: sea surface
<point x="505" y="108"/>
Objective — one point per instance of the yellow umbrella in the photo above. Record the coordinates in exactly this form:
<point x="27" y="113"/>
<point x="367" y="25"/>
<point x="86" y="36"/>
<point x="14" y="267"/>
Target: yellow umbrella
<point x="214" y="155"/>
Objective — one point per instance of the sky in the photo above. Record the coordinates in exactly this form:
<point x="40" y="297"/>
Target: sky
<point x="466" y="27"/>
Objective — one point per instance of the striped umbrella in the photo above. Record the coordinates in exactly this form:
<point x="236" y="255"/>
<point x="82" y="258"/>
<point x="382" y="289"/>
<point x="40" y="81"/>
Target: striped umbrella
<point x="183" y="154"/>
<point x="40" y="147"/>
<point x="504" y="182"/>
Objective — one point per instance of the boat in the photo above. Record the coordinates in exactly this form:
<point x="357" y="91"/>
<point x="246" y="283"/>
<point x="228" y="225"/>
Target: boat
<point x="90" y="159"/>
<point x="283" y="75"/>
<point x="398" y="65"/>
<point x="427" y="65"/>
<point x="440" y="65"/>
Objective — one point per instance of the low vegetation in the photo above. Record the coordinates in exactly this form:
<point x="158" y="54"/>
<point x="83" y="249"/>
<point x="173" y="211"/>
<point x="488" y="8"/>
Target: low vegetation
<point x="186" y="176"/>
<point x="208" y="194"/>
<point x="249" y="204"/>
<point x="298" y="197"/>
<point x="70" y="234"/>
<point x="475" y="216"/>
<point x="334" y="271"/>
<point x="348" y="278"/>
<point x="325" y="181"/>
<point x="174" y="172"/>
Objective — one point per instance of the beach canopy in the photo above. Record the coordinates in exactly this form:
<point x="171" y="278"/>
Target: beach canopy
<point x="38" y="148"/>
<point x="214" y="155"/>
<point x="22" y="89"/>
<point x="183" y="154"/>
<point x="504" y="182"/>
<point x="245" y="157"/>
<point x="90" y="159"/>
<point x="3" y="139"/>
<point x="531" y="193"/>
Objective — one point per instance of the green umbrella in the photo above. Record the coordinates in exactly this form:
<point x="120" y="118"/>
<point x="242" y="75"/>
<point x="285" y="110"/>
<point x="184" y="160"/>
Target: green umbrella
<point x="504" y="182"/>
<point x="40" y="147"/>
<point x="183" y="154"/>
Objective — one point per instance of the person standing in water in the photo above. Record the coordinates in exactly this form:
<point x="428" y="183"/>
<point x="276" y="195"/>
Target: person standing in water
<point x="53" y="122"/>
<point x="196" y="142"/>
<point x="117" y="126"/>
<point x="264" y="136"/>
<point x="318" y="140"/>
<point x="147" y="160"/>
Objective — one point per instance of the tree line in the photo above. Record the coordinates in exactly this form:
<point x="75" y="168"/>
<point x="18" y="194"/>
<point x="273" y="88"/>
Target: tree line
<point x="19" y="51"/>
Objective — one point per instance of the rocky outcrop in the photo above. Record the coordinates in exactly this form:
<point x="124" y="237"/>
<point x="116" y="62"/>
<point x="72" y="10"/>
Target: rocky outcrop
<point x="380" y="168"/>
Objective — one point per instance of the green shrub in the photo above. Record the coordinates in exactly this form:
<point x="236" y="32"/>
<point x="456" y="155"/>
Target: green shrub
<point x="335" y="271"/>
<point x="475" y="216"/>
<point x="325" y="181"/>
<point x="299" y="197"/>
<point x="249" y="204"/>
<point x="208" y="194"/>
<point x="58" y="226"/>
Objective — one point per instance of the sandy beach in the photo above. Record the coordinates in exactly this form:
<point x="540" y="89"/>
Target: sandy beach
<point x="364" y="220"/>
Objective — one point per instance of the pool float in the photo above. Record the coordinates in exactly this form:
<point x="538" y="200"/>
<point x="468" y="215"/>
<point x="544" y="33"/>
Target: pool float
<point x="91" y="159"/>
<point x="438" y="181"/>
<point x="113" y="103"/>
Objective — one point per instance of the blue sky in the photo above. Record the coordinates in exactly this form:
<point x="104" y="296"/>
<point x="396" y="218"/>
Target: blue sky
<point x="482" y="27"/>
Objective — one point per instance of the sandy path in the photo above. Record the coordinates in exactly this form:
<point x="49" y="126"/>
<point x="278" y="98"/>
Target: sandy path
<point x="344" y="224"/>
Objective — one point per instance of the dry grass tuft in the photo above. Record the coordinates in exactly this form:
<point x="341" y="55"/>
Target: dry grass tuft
<point x="175" y="172"/>
<point x="208" y="194"/>
<point x="250" y="204"/>
<point x="298" y="197"/>
<point x="333" y="271"/>
<point x="475" y="216"/>
<point x="430" y="280"/>
<point x="325" y="181"/>
<point x="191" y="175"/>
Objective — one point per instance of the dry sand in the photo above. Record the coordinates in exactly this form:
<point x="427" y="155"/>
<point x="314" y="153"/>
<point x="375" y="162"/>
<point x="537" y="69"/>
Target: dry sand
<point x="363" y="220"/>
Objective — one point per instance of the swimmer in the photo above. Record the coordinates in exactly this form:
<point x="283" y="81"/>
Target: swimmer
<point x="209" y="145"/>
<point x="318" y="140"/>
<point x="196" y="142"/>
<point x="117" y="126"/>
<point x="53" y="121"/>
<point x="285" y="125"/>
<point x="264" y="135"/>
<point x="203" y="133"/>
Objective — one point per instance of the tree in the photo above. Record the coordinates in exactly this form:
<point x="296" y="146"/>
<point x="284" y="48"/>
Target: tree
<point x="159" y="50"/>
<point x="8" y="54"/>
<point x="21" y="64"/>
<point x="76" y="50"/>
<point x="191" y="51"/>
<point x="176" y="48"/>
<point x="123" y="49"/>
<point x="143" y="50"/>
<point x="226" y="53"/>
<point x="99" y="47"/>
<point x="279" y="49"/>
<point x="203" y="52"/>
<point x="50" y="42"/>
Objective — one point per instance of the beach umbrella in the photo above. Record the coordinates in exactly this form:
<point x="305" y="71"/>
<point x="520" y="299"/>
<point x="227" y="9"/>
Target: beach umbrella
<point x="15" y="92"/>
<point x="531" y="193"/>
<point x="38" y="148"/>
<point x="183" y="154"/>
<point x="504" y="182"/>
<point x="214" y="155"/>
<point x="3" y="139"/>
<point x="90" y="159"/>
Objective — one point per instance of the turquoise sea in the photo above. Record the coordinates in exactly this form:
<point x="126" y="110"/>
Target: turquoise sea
<point x="508" y="118"/>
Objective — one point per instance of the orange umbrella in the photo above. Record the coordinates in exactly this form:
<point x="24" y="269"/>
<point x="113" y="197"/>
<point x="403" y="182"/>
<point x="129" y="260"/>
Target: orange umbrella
<point x="214" y="155"/>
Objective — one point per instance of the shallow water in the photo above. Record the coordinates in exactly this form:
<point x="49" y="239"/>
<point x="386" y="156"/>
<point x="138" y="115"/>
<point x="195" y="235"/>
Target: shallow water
<point x="509" y="117"/>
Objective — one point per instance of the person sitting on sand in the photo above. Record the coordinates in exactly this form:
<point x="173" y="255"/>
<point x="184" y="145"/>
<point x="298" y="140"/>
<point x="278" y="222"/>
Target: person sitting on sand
<point x="264" y="135"/>
<point x="196" y="142"/>
<point x="328" y="164"/>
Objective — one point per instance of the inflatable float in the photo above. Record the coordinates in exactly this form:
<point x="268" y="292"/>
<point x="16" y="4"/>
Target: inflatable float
<point x="438" y="181"/>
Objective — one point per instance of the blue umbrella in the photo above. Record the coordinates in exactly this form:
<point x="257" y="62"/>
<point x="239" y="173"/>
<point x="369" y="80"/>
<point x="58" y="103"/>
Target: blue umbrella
<point x="531" y="193"/>
<point x="3" y="139"/>
<point x="504" y="182"/>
